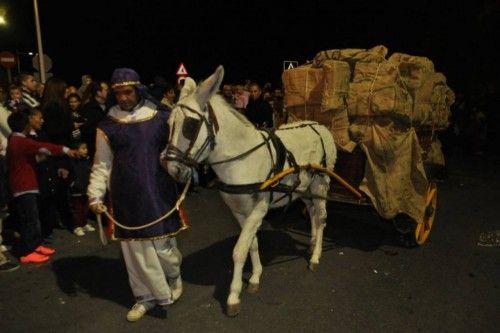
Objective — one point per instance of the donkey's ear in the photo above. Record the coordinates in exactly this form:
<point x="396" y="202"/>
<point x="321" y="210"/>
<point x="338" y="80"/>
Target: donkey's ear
<point x="210" y="86"/>
<point x="188" y="88"/>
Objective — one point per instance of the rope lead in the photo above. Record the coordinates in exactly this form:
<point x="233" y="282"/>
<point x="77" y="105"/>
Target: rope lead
<point x="176" y="207"/>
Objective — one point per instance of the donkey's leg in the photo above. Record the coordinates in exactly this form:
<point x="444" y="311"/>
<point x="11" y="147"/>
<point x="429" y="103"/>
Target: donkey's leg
<point x="254" y="281"/>
<point x="319" y="186"/>
<point x="310" y="210"/>
<point x="240" y="252"/>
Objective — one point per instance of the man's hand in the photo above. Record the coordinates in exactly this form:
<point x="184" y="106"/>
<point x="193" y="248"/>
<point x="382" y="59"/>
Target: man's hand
<point x="62" y="173"/>
<point x="98" y="208"/>
<point x="40" y="158"/>
<point x="164" y="163"/>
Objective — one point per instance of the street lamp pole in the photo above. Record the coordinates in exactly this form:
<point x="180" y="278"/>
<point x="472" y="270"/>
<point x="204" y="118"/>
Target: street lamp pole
<point x="39" y="42"/>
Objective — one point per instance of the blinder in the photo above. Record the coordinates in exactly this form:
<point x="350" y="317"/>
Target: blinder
<point x="190" y="130"/>
<point x="191" y="127"/>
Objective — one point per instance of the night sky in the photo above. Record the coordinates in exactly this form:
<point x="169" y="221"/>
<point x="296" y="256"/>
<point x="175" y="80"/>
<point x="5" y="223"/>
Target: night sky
<point x="249" y="38"/>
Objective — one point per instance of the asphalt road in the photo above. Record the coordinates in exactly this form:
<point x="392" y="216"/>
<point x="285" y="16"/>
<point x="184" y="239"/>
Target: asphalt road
<point x="366" y="281"/>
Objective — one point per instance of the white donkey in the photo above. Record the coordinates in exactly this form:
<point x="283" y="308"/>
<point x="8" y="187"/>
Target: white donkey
<point x="203" y="127"/>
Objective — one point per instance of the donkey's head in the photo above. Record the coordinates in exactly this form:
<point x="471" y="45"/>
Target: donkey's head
<point x="192" y="133"/>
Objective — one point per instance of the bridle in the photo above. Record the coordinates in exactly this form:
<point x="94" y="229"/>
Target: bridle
<point x="191" y="130"/>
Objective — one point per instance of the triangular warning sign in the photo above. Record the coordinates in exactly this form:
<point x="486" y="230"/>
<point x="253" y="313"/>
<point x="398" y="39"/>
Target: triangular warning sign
<point x="182" y="70"/>
<point x="290" y="64"/>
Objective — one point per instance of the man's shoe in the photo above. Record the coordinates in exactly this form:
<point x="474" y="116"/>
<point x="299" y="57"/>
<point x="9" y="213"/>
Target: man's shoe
<point x="139" y="310"/>
<point x="176" y="287"/>
<point x="47" y="251"/>
<point x="8" y="267"/>
<point x="35" y="258"/>
<point x="79" y="231"/>
<point x="88" y="227"/>
<point x="5" y="248"/>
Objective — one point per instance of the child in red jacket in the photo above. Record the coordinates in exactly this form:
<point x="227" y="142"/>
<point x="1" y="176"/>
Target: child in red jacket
<point x="21" y="154"/>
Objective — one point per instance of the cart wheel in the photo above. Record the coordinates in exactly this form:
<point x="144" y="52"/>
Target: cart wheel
<point x="412" y="233"/>
<point x="423" y="229"/>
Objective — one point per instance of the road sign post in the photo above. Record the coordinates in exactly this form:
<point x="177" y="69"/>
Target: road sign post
<point x="8" y="60"/>
<point x="181" y="73"/>
<point x="290" y="64"/>
<point x="48" y="65"/>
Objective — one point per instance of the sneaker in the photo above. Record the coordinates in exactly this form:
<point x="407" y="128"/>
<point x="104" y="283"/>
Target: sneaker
<point x="139" y="310"/>
<point x="79" y="231"/>
<point x="46" y="251"/>
<point x="88" y="227"/>
<point x="176" y="287"/>
<point x="8" y="267"/>
<point x="34" y="257"/>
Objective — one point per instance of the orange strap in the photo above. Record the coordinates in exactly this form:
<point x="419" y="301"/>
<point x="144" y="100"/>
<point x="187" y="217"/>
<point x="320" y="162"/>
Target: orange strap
<point x="276" y="178"/>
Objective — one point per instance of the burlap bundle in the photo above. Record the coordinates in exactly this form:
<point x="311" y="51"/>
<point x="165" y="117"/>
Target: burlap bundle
<point x="432" y="102"/>
<point x="395" y="178"/>
<point x="335" y="120"/>
<point x="327" y="86"/>
<point x="336" y="77"/>
<point x="375" y="54"/>
<point x="376" y="90"/>
<point x="303" y="112"/>
<point x="412" y="68"/>
<point x="435" y="154"/>
<point x="303" y="86"/>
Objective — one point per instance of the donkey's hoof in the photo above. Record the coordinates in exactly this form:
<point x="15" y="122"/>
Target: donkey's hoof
<point x="253" y="288"/>
<point x="233" y="309"/>
<point x="313" y="266"/>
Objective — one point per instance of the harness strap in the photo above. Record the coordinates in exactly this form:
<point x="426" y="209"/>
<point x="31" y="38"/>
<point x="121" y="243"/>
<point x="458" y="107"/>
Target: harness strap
<point x="323" y="161"/>
<point x="212" y="116"/>
<point x="281" y="151"/>
<point x="248" y="152"/>
<point x="252" y="188"/>
<point x="271" y="138"/>
<point x="274" y="184"/>
<point x="282" y="155"/>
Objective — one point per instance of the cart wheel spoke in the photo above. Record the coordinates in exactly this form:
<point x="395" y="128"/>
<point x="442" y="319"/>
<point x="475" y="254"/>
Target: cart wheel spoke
<point x="423" y="229"/>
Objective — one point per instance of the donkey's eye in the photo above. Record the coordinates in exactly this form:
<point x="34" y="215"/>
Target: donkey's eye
<point x="190" y="128"/>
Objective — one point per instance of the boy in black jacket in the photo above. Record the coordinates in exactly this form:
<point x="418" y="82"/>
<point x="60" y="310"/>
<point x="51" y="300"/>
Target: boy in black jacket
<point x="80" y="175"/>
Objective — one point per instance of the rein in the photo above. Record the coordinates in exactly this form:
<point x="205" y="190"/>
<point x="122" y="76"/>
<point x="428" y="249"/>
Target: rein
<point x="176" y="207"/>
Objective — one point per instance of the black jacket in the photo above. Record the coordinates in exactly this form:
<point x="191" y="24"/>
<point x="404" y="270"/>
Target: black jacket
<point x="93" y="114"/>
<point x="80" y="176"/>
<point x="259" y="112"/>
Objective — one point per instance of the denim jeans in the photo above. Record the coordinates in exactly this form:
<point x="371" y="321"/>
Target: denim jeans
<point x="26" y="207"/>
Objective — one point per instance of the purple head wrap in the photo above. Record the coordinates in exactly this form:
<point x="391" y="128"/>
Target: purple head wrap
<point x="126" y="77"/>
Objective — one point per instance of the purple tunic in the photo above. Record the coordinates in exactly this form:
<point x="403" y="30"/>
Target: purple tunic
<point x="140" y="189"/>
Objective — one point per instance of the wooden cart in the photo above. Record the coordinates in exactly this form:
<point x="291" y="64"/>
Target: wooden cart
<point x="351" y="168"/>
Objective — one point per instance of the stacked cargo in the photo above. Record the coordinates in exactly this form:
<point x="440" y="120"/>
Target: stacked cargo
<point x="379" y="104"/>
<point x="344" y="87"/>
